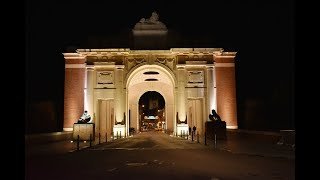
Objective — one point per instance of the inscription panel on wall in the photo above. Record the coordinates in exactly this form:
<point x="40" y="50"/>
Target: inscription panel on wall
<point x="105" y="79"/>
<point x="195" y="78"/>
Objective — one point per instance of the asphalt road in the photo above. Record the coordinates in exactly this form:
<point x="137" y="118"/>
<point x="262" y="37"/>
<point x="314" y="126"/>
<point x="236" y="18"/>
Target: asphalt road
<point x="155" y="155"/>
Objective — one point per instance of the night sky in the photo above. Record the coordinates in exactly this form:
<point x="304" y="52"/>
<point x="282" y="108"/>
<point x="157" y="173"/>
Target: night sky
<point x="261" y="32"/>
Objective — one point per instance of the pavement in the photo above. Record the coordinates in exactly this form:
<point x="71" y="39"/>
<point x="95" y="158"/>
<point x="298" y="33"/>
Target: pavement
<point x="255" y="143"/>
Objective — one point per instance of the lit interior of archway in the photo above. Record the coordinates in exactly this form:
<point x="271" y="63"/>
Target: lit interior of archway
<point x="151" y="111"/>
<point x="150" y="78"/>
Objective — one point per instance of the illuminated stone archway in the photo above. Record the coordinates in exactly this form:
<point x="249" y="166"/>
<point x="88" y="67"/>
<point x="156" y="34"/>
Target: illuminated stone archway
<point x="138" y="84"/>
<point x="109" y="82"/>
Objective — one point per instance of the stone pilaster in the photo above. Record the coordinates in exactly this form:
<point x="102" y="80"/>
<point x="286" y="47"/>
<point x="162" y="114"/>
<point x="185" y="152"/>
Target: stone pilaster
<point x="181" y="106"/>
<point x="226" y="88"/>
<point x="90" y="88"/>
<point x="210" y="90"/>
<point x="73" y="89"/>
<point x="119" y="94"/>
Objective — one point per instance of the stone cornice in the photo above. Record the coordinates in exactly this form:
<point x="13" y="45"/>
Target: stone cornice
<point x="149" y="32"/>
<point x="75" y="66"/>
<point x="224" y="64"/>
<point x="73" y="56"/>
<point x="108" y="53"/>
<point x="226" y="55"/>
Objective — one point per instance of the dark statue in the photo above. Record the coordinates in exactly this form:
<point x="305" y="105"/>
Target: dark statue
<point x="216" y="128"/>
<point x="214" y="116"/>
<point x="85" y="118"/>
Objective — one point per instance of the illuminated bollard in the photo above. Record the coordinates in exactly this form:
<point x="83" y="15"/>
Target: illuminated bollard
<point x="198" y="136"/>
<point x="192" y="135"/>
<point x="187" y="135"/>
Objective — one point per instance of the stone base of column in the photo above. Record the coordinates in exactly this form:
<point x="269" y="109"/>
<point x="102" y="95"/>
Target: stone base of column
<point x="67" y="129"/>
<point x="119" y="131"/>
<point x="182" y="129"/>
<point x="232" y="127"/>
<point x="84" y="131"/>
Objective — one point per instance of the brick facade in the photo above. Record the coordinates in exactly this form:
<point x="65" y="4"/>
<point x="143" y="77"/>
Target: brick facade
<point x="226" y="90"/>
<point x="73" y="91"/>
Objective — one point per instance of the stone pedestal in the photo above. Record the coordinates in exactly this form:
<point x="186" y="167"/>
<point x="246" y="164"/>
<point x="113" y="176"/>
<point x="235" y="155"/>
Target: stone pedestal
<point x="217" y="128"/>
<point x="119" y="131"/>
<point x="182" y="129"/>
<point x="150" y="33"/>
<point x="84" y="131"/>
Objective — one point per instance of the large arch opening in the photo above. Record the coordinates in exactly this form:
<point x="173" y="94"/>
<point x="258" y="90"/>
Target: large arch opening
<point x="146" y="79"/>
<point x="152" y="111"/>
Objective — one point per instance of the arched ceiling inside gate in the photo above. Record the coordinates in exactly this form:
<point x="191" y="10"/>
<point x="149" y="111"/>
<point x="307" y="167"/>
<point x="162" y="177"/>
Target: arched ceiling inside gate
<point x="150" y="74"/>
<point x="150" y="78"/>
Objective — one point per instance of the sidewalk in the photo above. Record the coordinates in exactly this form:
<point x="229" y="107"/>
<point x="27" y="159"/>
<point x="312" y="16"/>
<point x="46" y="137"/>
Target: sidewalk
<point x="253" y="143"/>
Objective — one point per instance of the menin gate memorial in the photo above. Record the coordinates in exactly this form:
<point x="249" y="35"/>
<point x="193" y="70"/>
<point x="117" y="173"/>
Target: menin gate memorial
<point x="108" y="83"/>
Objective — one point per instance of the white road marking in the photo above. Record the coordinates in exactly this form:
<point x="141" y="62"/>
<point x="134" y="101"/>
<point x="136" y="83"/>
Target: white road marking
<point x="136" y="164"/>
<point x="112" y="169"/>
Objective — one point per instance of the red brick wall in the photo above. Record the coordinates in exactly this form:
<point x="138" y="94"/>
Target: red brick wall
<point x="73" y="95"/>
<point x="224" y="60"/>
<point x="226" y="95"/>
<point x="75" y="61"/>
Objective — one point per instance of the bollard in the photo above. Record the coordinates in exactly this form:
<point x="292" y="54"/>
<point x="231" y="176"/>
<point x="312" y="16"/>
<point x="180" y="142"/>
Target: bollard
<point x="90" y="139"/>
<point x="99" y="138"/>
<point x="106" y="137"/>
<point x="181" y="134"/>
<point x="192" y="135"/>
<point x="120" y="134"/>
<point x="215" y="141"/>
<point x="117" y="134"/>
<point x="78" y="140"/>
<point x="205" y="138"/>
<point x="198" y="136"/>
<point x="187" y="135"/>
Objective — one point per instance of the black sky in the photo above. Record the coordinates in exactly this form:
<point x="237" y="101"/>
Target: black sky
<point x="262" y="32"/>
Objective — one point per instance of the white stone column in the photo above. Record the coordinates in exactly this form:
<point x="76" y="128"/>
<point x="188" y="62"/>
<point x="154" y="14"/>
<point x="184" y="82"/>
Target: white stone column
<point x="181" y="93"/>
<point x="89" y="92"/>
<point x="119" y="95"/>
<point x="170" y="116"/>
<point x="175" y="110"/>
<point x="120" y="103"/>
<point x="210" y="91"/>
<point x="132" y="113"/>
<point x="214" y="90"/>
